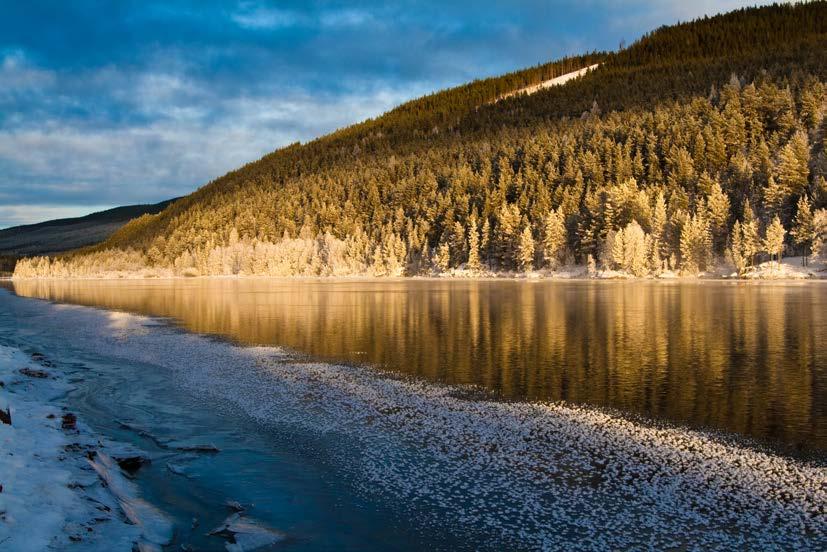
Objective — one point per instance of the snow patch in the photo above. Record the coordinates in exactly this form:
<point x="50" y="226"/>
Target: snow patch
<point x="556" y="81"/>
<point x="51" y="497"/>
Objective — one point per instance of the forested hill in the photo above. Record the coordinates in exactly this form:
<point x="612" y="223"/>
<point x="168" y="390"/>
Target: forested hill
<point x="700" y="142"/>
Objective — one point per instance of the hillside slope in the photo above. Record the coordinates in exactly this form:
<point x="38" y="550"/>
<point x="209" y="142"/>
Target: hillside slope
<point x="56" y="236"/>
<point x="644" y="164"/>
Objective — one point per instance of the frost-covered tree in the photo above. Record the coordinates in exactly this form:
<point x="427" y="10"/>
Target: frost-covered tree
<point x="526" y="250"/>
<point x="739" y="255"/>
<point x="635" y="249"/>
<point x="696" y="244"/>
<point x="485" y="241"/>
<point x="554" y="237"/>
<point x="803" y="230"/>
<point x="751" y="241"/>
<point x="660" y="238"/>
<point x="820" y="233"/>
<point x="473" y="246"/>
<point x="629" y="249"/>
<point x="508" y="235"/>
<point x="793" y="163"/>
<point x="776" y="195"/>
<point x="717" y="212"/>
<point x="774" y="239"/>
<point x="442" y="258"/>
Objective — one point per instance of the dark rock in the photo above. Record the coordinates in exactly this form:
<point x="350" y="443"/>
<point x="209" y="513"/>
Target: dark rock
<point x="69" y="421"/>
<point x="131" y="464"/>
<point x="5" y="416"/>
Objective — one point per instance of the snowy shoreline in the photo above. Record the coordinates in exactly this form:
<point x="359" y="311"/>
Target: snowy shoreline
<point x="791" y="270"/>
<point x="59" y="487"/>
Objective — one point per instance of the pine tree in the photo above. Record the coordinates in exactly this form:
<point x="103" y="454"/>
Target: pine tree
<point x="526" y="250"/>
<point x="793" y="163"/>
<point x="473" y="246"/>
<point x="737" y="252"/>
<point x="751" y="242"/>
<point x="820" y="233"/>
<point x="775" y="197"/>
<point x="774" y="239"/>
<point x="696" y="245"/>
<point x="442" y="259"/>
<point x="803" y="229"/>
<point x="717" y="212"/>
<point x="660" y="249"/>
<point x="508" y="235"/>
<point x="554" y="237"/>
<point x="485" y="242"/>
<point x="459" y="253"/>
<point x="615" y="249"/>
<point x="635" y="250"/>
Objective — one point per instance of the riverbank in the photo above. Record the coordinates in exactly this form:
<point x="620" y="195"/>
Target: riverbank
<point x="513" y="474"/>
<point x="50" y="494"/>
<point x="63" y="486"/>
<point x="790" y="269"/>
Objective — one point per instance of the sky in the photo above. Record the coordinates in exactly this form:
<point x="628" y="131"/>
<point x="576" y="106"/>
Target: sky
<point x="114" y="103"/>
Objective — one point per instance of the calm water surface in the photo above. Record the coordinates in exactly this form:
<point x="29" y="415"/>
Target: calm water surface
<point x="742" y="358"/>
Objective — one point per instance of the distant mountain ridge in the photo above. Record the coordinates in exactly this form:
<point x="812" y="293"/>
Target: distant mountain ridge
<point x="59" y="235"/>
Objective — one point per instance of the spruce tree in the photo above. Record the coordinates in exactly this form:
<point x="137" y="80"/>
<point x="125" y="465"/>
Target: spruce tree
<point x="554" y="237"/>
<point x="793" y="163"/>
<point x="803" y="229"/>
<point x="774" y="239"/>
<point x="718" y="215"/>
<point x="473" y="246"/>
<point x="526" y="250"/>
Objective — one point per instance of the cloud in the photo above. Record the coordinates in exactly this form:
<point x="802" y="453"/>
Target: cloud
<point x="18" y="76"/>
<point x="183" y="147"/>
<point x="252" y="16"/>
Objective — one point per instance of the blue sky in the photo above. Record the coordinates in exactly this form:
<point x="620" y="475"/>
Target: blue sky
<point x="113" y="103"/>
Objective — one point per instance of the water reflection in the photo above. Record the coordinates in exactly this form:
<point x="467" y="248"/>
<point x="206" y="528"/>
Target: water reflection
<point x="743" y="358"/>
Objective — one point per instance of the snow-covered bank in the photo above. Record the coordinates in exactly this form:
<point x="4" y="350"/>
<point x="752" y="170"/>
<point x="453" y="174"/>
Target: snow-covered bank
<point x="791" y="269"/>
<point x="530" y="476"/>
<point x="50" y="495"/>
